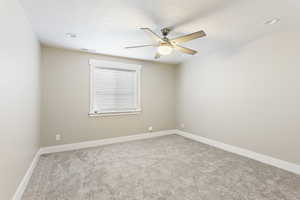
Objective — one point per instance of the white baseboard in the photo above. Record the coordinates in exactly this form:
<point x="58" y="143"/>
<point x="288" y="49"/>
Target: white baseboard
<point x="244" y="152"/>
<point x="22" y="186"/>
<point x="94" y="143"/>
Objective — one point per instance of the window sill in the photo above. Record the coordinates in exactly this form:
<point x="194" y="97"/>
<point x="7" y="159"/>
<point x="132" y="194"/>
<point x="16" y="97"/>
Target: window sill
<point x="108" y="114"/>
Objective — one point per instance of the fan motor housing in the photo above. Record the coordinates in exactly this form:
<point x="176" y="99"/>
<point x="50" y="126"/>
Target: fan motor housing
<point x="165" y="31"/>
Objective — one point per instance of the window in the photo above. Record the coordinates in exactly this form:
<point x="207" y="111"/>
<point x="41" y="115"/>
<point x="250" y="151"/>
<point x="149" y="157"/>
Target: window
<point x="115" y="88"/>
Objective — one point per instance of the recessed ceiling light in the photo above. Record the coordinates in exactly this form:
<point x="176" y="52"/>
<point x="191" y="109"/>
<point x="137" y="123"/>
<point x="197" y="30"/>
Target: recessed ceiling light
<point x="272" y="21"/>
<point x="88" y="50"/>
<point x="71" y="35"/>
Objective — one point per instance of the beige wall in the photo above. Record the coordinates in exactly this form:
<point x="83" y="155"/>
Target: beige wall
<point x="65" y="99"/>
<point x="249" y="97"/>
<point x="19" y="102"/>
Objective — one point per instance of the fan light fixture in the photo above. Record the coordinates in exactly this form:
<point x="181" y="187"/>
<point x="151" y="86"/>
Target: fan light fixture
<point x="164" y="49"/>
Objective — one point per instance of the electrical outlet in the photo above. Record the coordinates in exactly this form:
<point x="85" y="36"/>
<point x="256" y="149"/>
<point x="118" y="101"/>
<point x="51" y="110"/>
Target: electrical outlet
<point x="182" y="125"/>
<point x="57" y="137"/>
<point x="150" y="128"/>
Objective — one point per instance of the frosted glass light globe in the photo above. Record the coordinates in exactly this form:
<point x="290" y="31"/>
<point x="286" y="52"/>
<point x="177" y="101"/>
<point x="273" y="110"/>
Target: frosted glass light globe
<point x="165" y="49"/>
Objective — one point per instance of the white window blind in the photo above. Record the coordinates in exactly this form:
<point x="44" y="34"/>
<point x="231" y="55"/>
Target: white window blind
<point x="114" y="88"/>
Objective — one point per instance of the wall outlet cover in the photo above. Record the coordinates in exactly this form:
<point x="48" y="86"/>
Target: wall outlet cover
<point x="57" y="137"/>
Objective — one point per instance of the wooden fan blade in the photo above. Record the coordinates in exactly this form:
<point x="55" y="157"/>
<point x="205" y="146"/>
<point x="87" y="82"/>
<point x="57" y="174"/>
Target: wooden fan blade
<point x="157" y="55"/>
<point x="139" y="46"/>
<point x="152" y="34"/>
<point x="188" y="37"/>
<point x="185" y="50"/>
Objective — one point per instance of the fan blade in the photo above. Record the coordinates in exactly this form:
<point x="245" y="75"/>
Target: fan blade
<point x="152" y="34"/>
<point x="157" y="55"/>
<point x="188" y="37"/>
<point x="185" y="50"/>
<point x="139" y="46"/>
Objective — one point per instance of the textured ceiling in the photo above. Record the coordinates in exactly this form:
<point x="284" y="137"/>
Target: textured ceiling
<point x="107" y="26"/>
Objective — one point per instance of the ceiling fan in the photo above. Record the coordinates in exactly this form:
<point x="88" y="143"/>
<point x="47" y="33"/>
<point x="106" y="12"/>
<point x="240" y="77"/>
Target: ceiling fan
<point x="165" y="45"/>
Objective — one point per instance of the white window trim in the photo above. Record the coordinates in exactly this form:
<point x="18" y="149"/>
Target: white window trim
<point x="114" y="65"/>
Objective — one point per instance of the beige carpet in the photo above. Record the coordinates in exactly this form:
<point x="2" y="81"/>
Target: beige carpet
<point x="164" y="168"/>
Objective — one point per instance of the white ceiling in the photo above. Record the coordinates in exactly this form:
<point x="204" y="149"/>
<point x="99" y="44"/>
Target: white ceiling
<point x="107" y="26"/>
